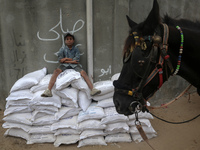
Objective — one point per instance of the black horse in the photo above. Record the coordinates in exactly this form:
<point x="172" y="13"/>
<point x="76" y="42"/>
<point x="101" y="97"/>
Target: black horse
<point x="154" y="50"/>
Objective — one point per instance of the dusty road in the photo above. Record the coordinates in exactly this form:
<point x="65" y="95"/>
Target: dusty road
<point x="170" y="137"/>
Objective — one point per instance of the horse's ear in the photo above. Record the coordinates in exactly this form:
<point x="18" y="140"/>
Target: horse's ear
<point x="130" y="22"/>
<point x="153" y="18"/>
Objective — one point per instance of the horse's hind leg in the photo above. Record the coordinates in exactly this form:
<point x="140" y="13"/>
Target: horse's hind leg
<point x="198" y="91"/>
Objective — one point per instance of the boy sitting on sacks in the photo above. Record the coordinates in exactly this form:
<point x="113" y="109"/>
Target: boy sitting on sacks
<point x="69" y="57"/>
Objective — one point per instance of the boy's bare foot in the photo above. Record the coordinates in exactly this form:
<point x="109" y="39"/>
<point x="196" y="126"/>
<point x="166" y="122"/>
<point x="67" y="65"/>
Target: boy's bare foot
<point x="94" y="92"/>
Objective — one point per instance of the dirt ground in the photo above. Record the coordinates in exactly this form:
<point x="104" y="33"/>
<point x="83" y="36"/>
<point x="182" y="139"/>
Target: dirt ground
<point x="170" y="137"/>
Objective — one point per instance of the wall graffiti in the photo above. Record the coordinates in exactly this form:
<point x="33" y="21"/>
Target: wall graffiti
<point x="58" y="35"/>
<point x="105" y="72"/>
<point x="19" y="54"/>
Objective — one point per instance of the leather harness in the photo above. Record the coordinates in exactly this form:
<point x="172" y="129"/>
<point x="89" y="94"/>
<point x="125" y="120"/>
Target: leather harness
<point x="137" y="92"/>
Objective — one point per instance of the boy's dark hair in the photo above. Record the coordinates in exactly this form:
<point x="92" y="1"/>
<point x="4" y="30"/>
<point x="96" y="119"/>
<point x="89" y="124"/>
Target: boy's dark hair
<point x="68" y="34"/>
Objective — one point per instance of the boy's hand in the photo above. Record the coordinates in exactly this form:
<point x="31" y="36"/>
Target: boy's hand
<point x="62" y="60"/>
<point x="71" y="61"/>
<point x="65" y="59"/>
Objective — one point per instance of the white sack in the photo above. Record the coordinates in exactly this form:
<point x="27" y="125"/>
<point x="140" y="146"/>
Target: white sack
<point x="112" y="116"/>
<point x="144" y="122"/>
<point x="17" y="133"/>
<point x="65" y="78"/>
<point x="38" y="100"/>
<point x="44" y="120"/>
<point x="91" y="124"/>
<point x="69" y="103"/>
<point x="24" y="127"/>
<point x="65" y="112"/>
<point x="115" y="77"/>
<point x="118" y="127"/>
<point x="45" y="108"/>
<point x="70" y="122"/>
<point x="29" y="80"/>
<point x="66" y="139"/>
<point x="146" y="129"/>
<point x="24" y="102"/>
<point x="102" y="97"/>
<point x="68" y="93"/>
<point x="83" y="100"/>
<point x="20" y="95"/>
<point x="17" y="109"/>
<point x="42" y="85"/>
<point x="82" y="86"/>
<point x="106" y="103"/>
<point x="93" y="112"/>
<point x="37" y="114"/>
<point x="96" y="140"/>
<point x="67" y="131"/>
<point x="137" y="137"/>
<point x="118" y="137"/>
<point x="43" y="129"/>
<point x="89" y="133"/>
<point x="24" y="118"/>
<point x="104" y="86"/>
<point x="41" y="138"/>
<point x="141" y="115"/>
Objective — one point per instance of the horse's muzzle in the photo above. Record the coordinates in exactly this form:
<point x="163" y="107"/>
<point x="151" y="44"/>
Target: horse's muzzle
<point x="122" y="104"/>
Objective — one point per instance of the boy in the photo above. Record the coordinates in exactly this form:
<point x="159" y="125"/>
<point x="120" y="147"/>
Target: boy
<point x="69" y="57"/>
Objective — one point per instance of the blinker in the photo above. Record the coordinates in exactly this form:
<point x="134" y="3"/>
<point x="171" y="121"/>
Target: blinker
<point x="139" y="41"/>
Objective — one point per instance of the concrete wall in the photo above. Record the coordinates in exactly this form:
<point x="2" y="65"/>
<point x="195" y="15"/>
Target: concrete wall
<point x="31" y="32"/>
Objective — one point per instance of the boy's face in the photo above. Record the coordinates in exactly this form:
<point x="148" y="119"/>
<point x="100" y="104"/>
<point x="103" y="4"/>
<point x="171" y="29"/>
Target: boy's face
<point x="69" y="41"/>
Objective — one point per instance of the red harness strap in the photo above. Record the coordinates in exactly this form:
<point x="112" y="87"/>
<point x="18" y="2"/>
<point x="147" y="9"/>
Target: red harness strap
<point x="161" y="59"/>
<point x="160" y="77"/>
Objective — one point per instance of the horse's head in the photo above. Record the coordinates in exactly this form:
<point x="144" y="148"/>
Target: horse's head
<point x="141" y="57"/>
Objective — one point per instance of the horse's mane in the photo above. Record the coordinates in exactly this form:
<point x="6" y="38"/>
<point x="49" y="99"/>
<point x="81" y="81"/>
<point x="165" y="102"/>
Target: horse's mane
<point x="184" y="23"/>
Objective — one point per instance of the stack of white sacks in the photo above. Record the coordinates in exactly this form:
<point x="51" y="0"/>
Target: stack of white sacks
<point x="71" y="115"/>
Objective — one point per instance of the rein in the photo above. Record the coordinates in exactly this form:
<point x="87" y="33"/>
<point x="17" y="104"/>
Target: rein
<point x="175" y="122"/>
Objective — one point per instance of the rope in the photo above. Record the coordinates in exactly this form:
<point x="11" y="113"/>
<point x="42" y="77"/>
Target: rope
<point x="165" y="105"/>
<point x="175" y="122"/>
<point x="170" y="103"/>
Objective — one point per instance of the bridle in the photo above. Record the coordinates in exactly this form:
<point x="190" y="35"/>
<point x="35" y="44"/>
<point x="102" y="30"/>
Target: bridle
<point x="138" y="100"/>
<point x="158" y="44"/>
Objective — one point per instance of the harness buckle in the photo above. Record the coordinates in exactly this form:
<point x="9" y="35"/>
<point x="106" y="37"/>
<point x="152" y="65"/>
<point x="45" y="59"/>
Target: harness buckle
<point x="130" y="93"/>
<point x="137" y="122"/>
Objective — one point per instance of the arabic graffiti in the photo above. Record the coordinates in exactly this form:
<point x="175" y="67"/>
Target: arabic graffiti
<point x="57" y="35"/>
<point x="105" y="72"/>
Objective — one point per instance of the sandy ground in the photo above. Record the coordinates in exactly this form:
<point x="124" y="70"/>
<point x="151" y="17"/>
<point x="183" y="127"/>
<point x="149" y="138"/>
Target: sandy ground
<point x="170" y="137"/>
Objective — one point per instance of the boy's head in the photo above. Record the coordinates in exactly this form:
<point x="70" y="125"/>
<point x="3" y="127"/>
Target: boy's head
<point x="69" y="39"/>
<point x="69" y="35"/>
